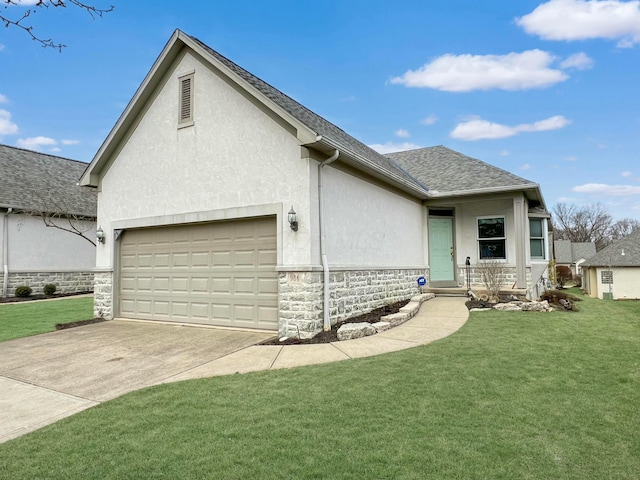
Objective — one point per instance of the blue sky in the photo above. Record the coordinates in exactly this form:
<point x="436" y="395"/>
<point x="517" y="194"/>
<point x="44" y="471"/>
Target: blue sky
<point x="548" y="90"/>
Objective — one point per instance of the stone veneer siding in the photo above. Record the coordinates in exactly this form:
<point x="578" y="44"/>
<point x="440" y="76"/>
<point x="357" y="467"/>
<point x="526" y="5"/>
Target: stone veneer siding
<point x="103" y="295"/>
<point x="66" y="282"/>
<point x="510" y="277"/>
<point x="352" y="293"/>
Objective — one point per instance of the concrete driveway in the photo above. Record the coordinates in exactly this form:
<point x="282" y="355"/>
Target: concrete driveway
<point x="47" y="377"/>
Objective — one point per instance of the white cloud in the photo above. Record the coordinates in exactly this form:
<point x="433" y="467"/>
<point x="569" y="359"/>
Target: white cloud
<point x="464" y="73"/>
<point x="584" y="19"/>
<point x="391" y="147"/>
<point x="55" y="149"/>
<point x="69" y="142"/>
<point x="601" y="189"/>
<point x="570" y="159"/>
<point x="7" y="127"/>
<point x="430" y="120"/>
<point x="479" y="129"/>
<point x="3" y="99"/>
<point x="579" y="61"/>
<point x="630" y="176"/>
<point x="505" y="153"/>
<point x="36" y="143"/>
<point x="2" y="47"/>
<point x="526" y="166"/>
<point x="402" y="133"/>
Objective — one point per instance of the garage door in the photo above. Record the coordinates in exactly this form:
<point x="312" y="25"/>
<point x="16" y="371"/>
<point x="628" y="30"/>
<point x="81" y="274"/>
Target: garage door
<point x="220" y="273"/>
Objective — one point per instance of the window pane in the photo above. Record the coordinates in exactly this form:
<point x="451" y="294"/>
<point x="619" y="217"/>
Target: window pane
<point x="492" y="249"/>
<point x="491" y="228"/>
<point x="537" y="248"/>
<point x="536" y="228"/>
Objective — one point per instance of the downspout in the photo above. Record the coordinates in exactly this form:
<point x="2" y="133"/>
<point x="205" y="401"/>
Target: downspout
<point x="323" y="254"/>
<point x="5" y="252"/>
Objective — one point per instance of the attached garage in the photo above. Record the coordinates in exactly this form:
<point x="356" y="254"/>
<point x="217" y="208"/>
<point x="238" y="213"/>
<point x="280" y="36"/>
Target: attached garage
<point x="217" y="273"/>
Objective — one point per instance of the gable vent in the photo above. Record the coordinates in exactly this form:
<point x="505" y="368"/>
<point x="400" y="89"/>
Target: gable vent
<point x="186" y="99"/>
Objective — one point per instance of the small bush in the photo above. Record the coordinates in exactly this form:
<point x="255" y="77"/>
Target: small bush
<point x="49" y="289"/>
<point x="563" y="275"/>
<point x="23" y="291"/>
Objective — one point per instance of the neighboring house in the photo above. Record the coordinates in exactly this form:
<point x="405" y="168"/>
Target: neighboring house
<point x="35" y="187"/>
<point x="614" y="272"/>
<point x="572" y="254"/>
<point x="198" y="184"/>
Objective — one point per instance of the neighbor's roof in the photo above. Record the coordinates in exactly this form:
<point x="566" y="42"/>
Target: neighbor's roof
<point x="567" y="251"/>
<point x="621" y="253"/>
<point x="39" y="182"/>
<point x="447" y="173"/>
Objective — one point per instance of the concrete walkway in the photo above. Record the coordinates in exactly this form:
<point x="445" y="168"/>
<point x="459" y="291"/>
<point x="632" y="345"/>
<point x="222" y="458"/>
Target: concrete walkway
<point x="51" y="376"/>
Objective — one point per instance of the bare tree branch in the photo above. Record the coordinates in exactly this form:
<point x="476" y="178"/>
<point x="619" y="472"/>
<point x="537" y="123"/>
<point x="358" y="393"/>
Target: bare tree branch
<point x="22" y="21"/>
<point x="590" y="223"/>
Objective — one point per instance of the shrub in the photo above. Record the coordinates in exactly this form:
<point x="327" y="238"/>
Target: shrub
<point x="50" y="289"/>
<point x="563" y="299"/>
<point x="493" y="275"/>
<point x="23" y="291"/>
<point x="563" y="275"/>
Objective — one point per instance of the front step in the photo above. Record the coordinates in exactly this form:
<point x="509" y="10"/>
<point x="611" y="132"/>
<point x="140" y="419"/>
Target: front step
<point x="446" y="291"/>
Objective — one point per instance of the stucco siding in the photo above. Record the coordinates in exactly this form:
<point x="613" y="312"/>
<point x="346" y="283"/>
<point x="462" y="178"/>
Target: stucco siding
<point x="34" y="247"/>
<point x="467" y="214"/>
<point x="626" y="283"/>
<point x="234" y="156"/>
<point x="367" y="225"/>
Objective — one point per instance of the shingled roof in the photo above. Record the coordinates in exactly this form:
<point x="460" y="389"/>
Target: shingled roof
<point x="37" y="182"/>
<point x="621" y="253"/>
<point x="447" y="172"/>
<point x="567" y="251"/>
<point x="335" y="135"/>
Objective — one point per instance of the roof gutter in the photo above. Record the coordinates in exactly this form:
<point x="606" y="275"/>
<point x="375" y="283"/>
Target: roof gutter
<point x="390" y="177"/>
<point x="323" y="254"/>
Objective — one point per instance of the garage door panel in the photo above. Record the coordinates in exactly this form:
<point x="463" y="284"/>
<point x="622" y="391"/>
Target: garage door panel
<point x="221" y="273"/>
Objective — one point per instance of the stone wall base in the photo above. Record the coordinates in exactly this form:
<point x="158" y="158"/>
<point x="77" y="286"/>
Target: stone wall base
<point x="65" y="282"/>
<point x="352" y="293"/>
<point x="103" y="295"/>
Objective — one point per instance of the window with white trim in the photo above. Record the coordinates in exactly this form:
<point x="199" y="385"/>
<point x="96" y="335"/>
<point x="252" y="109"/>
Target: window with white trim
<point x="492" y="239"/>
<point x="606" y="277"/>
<point x="185" y="108"/>
<point x="537" y="238"/>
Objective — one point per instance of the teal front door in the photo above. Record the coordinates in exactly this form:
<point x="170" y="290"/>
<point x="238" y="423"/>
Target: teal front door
<point x="441" y="254"/>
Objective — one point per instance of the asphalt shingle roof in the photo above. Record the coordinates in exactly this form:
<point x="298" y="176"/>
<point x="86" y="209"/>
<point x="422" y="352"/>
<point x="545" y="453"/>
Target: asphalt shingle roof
<point x="444" y="171"/>
<point x="315" y="122"/>
<point x="621" y="253"/>
<point x="567" y="251"/>
<point x="39" y="182"/>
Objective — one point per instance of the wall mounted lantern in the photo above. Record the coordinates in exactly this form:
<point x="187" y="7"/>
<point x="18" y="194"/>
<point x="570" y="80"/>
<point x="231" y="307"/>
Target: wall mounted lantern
<point x="100" y="235"/>
<point x="293" y="219"/>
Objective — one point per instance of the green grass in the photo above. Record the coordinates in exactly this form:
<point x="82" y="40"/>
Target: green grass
<point x="24" y="319"/>
<point x="510" y="396"/>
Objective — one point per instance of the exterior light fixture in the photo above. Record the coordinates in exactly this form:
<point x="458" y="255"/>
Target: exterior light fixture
<point x="100" y="235"/>
<point x="293" y="219"/>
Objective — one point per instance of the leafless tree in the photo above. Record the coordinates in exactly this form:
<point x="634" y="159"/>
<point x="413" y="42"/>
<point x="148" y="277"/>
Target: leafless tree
<point x="622" y="228"/>
<point x="55" y="214"/>
<point x="29" y="7"/>
<point x="589" y="223"/>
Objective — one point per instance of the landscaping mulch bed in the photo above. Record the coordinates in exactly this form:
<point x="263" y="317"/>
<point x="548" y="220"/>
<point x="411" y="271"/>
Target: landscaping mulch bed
<point x="40" y="297"/>
<point x="332" y="335"/>
<point x="80" y="323"/>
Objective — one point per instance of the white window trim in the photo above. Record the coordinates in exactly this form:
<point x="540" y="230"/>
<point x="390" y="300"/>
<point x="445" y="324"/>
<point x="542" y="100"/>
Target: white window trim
<point x="545" y="240"/>
<point x="506" y="256"/>
<point x="186" y="122"/>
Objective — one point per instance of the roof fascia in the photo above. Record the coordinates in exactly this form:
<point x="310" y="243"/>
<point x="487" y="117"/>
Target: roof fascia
<point x="362" y="163"/>
<point x="482" y="191"/>
<point x="178" y="41"/>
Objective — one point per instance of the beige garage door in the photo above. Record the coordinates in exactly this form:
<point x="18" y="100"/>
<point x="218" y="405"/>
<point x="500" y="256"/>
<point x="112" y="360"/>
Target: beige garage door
<point x="220" y="273"/>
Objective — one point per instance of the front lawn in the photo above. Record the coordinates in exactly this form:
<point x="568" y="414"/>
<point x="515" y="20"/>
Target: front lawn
<point x="24" y="319"/>
<point x="510" y="396"/>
